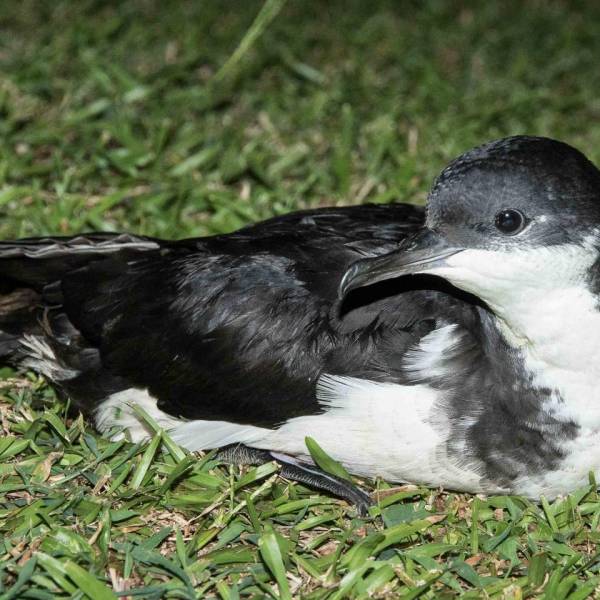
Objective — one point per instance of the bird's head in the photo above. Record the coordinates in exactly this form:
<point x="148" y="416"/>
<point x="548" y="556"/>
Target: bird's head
<point x="514" y="218"/>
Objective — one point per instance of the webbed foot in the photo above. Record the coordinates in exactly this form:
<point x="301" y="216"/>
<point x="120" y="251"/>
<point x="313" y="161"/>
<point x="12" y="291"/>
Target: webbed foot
<point x="302" y="472"/>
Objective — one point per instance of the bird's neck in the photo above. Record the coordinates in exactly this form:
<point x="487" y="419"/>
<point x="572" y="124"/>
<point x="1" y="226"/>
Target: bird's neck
<point x="557" y="334"/>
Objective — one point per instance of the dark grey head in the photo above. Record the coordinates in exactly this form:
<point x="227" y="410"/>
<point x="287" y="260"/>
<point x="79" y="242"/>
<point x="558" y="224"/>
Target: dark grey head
<point x="554" y="189"/>
<point x="517" y="213"/>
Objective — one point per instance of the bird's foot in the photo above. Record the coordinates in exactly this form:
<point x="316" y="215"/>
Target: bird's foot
<point x="296" y="470"/>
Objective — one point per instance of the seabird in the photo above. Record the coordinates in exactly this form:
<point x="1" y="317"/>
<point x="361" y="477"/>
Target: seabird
<point x="456" y="347"/>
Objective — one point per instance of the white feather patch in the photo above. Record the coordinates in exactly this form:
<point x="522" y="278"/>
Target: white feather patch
<point x="427" y="358"/>
<point x="41" y="358"/>
<point x="116" y="411"/>
<point x="204" y="435"/>
<point x="377" y="429"/>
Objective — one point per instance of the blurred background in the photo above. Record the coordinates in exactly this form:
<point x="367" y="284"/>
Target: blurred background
<point x="191" y="118"/>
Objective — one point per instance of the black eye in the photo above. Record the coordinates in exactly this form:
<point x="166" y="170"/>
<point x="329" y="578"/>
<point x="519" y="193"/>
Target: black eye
<point x="510" y="221"/>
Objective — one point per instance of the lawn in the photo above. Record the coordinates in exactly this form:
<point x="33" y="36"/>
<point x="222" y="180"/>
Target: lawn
<point x="196" y="117"/>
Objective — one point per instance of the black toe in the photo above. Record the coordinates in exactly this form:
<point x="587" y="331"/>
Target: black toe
<point x="296" y="470"/>
<point x="292" y="468"/>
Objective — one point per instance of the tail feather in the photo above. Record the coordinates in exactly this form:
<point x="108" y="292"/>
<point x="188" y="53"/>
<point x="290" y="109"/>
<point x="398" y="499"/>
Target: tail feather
<point x="29" y="266"/>
<point x="37" y="262"/>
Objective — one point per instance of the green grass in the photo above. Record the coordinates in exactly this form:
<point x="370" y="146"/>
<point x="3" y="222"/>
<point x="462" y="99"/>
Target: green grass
<point x="190" y="118"/>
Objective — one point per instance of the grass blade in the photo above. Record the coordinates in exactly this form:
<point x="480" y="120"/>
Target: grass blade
<point x="268" y="12"/>
<point x="271" y="554"/>
<point x="323" y="460"/>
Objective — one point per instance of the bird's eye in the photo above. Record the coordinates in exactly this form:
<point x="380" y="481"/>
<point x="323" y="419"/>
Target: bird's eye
<point x="510" y="221"/>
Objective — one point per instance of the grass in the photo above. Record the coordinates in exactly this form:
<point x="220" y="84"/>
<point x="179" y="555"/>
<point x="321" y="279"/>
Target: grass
<point x="191" y="118"/>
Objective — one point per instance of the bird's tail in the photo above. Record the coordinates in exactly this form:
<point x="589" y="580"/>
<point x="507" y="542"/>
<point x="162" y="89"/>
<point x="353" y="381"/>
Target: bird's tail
<point x="29" y="267"/>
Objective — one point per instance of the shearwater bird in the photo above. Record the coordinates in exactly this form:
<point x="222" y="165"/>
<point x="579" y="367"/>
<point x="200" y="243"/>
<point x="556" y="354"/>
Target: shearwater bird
<point x="456" y="347"/>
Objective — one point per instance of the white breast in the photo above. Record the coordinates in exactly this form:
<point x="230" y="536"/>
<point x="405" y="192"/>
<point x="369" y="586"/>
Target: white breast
<point x="547" y="313"/>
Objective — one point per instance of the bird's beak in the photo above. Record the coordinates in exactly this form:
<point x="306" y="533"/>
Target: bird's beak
<point x="422" y="253"/>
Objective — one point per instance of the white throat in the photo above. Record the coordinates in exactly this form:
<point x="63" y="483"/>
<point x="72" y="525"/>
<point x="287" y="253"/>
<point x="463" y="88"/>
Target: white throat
<point x="545" y="309"/>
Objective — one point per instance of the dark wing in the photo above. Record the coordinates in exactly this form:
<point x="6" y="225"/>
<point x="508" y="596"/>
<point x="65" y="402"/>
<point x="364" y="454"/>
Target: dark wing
<point x="210" y="336"/>
<point x="235" y="327"/>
